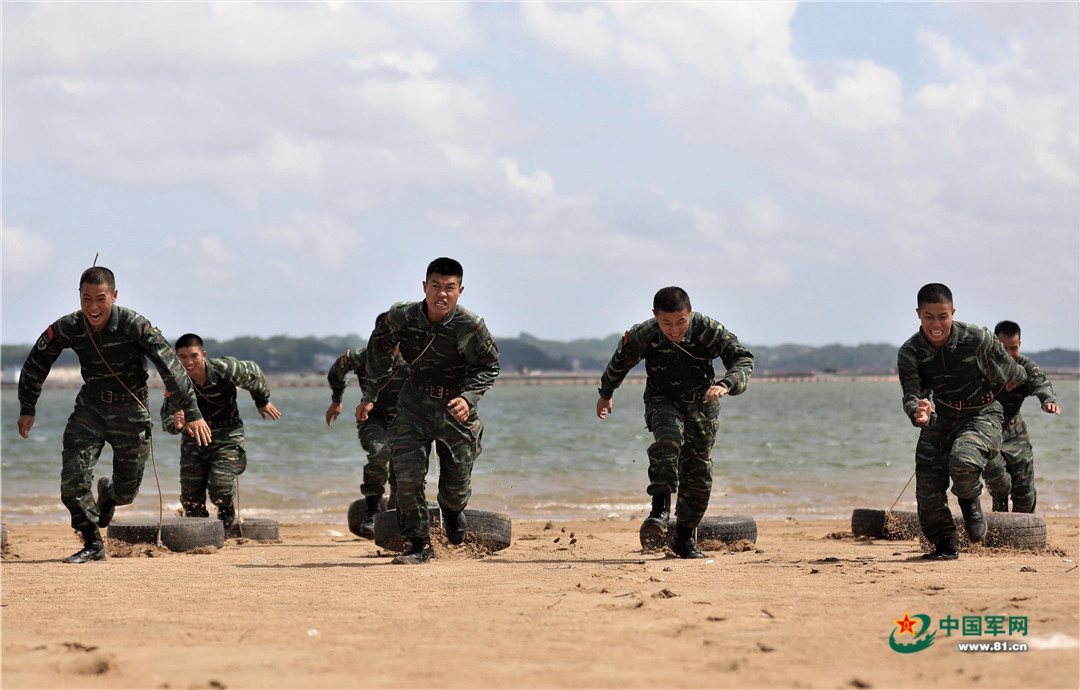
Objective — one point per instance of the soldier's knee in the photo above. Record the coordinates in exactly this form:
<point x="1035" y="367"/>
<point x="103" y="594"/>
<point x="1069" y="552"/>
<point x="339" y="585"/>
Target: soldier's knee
<point x="664" y="449"/>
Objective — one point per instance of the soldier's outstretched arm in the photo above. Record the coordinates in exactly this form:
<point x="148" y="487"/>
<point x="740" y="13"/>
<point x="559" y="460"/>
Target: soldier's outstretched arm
<point x="333" y="412"/>
<point x="362" y="411"/>
<point x="200" y="431"/>
<point x="25" y="422"/>
<point x="604" y="407"/>
<point x="268" y="410"/>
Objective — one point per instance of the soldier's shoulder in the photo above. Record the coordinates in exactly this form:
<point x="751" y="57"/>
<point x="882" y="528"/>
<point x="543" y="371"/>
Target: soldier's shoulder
<point x="646" y="331"/>
<point x="913" y="345"/>
<point x="68" y="323"/>
<point x="970" y="331"/>
<point x="134" y="323"/>
<point x="467" y="317"/>
<point x="707" y="322"/>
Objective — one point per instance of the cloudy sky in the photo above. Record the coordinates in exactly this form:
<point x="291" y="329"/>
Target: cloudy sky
<point x="801" y="169"/>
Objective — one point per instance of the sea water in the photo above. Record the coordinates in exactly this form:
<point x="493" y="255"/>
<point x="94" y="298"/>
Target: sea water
<point x="818" y="448"/>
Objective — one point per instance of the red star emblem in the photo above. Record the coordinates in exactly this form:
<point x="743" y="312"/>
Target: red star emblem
<point x="907" y="625"/>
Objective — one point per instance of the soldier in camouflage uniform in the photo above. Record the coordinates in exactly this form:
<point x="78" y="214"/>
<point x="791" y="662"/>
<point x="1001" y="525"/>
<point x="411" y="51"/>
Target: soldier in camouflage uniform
<point x="112" y="344"/>
<point x="374" y="431"/>
<point x="453" y="361"/>
<point x="959" y="366"/>
<point x="682" y="406"/>
<point x="214" y="468"/>
<point x="1015" y="445"/>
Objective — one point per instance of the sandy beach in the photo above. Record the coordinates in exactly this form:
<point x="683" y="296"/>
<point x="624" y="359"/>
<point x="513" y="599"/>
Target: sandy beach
<point x="568" y="605"/>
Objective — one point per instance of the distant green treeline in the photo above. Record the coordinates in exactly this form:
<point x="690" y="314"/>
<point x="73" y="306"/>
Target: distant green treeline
<point x="284" y="354"/>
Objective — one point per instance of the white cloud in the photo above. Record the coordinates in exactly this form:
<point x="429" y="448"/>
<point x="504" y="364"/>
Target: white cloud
<point x="764" y="216"/>
<point x="772" y="275"/>
<point x="865" y="97"/>
<point x="321" y="240"/>
<point x="581" y="29"/>
<point x="416" y="64"/>
<point x="539" y="184"/>
<point x="26" y="254"/>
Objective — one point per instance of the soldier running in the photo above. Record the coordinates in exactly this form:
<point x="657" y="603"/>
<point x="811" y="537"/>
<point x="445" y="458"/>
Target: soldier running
<point x="212" y="469"/>
<point x="112" y="343"/>
<point x="959" y="366"/>
<point x="682" y="406"/>
<point x="453" y="361"/>
<point x="1015" y="444"/>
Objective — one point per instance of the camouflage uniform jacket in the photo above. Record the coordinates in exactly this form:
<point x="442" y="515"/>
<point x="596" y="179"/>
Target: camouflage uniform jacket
<point x="125" y="342"/>
<point x="457" y="353"/>
<point x="962" y="374"/>
<point x="1037" y="385"/>
<point x="217" y="397"/>
<point x="353" y="360"/>
<point x="682" y="369"/>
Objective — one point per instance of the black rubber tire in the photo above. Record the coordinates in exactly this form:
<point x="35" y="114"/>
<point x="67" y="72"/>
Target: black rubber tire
<point x="487" y="529"/>
<point x="866" y="522"/>
<point x="358" y="511"/>
<point x="258" y="529"/>
<point x="725" y="530"/>
<point x="387" y="533"/>
<point x="885" y="524"/>
<point x="1024" y="531"/>
<point x="177" y="533"/>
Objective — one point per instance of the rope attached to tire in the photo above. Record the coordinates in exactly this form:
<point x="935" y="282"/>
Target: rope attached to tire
<point x="153" y="461"/>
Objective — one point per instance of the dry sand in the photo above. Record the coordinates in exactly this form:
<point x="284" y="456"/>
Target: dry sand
<point x="568" y="605"/>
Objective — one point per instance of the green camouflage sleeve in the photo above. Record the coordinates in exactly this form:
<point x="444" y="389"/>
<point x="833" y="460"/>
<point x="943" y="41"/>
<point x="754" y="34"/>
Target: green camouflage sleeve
<point x="482" y="364"/>
<point x="247" y="375"/>
<point x="338" y="376"/>
<point x="911" y="384"/>
<point x="738" y="360"/>
<point x="995" y="363"/>
<point x="39" y="362"/>
<point x="628" y="353"/>
<point x="1038" y="384"/>
<point x="158" y="351"/>
<point x="379" y="355"/>
<point x="168" y="409"/>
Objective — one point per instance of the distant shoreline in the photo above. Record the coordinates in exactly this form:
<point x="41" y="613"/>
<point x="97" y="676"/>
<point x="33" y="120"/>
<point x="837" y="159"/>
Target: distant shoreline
<point x="69" y="378"/>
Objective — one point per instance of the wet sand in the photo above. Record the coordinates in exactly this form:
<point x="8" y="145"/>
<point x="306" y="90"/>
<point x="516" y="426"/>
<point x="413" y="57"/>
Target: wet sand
<point x="568" y="605"/>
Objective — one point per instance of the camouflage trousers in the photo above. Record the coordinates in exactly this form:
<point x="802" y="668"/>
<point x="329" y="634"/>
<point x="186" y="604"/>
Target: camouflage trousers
<point x="1020" y="463"/>
<point x="420" y="421"/>
<point x="679" y="458"/>
<point x="211" y="470"/>
<point x="965" y="450"/>
<point x="123" y="425"/>
<point x="374" y="437"/>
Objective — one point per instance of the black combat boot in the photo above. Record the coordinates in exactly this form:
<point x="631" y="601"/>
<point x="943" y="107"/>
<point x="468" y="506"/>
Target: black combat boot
<point x="367" y="527"/>
<point x="105" y="505"/>
<point x="974" y="520"/>
<point x="93" y="547"/>
<point x="946" y="549"/>
<point x="1001" y="504"/>
<point x="455" y="525"/>
<point x="227" y="514"/>
<point x="419" y="552"/>
<point x="653" y="532"/>
<point x="683" y="544"/>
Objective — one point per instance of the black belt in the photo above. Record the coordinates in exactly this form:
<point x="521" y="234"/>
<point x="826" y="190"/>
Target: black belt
<point x="981" y="401"/>
<point x="232" y="421"/>
<point x="439" y="391"/>
<point x="696" y="396"/>
<point x="110" y="397"/>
